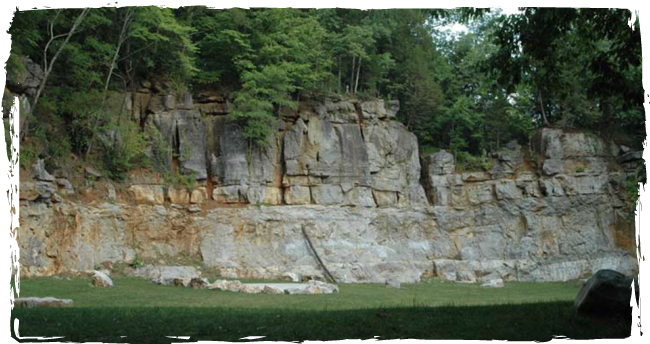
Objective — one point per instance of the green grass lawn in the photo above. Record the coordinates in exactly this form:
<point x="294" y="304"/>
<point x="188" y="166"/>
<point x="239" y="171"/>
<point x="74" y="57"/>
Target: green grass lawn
<point x="143" y="311"/>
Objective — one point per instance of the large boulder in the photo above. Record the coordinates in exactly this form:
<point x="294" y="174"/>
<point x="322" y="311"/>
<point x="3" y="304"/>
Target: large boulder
<point x="606" y="293"/>
<point x="168" y="275"/>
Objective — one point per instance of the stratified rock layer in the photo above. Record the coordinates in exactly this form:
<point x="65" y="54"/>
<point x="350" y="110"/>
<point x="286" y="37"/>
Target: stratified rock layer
<point x="330" y="153"/>
<point x="351" y="177"/>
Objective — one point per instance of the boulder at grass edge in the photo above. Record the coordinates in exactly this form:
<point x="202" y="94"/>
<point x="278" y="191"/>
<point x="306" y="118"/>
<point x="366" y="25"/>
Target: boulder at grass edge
<point x="606" y="293"/>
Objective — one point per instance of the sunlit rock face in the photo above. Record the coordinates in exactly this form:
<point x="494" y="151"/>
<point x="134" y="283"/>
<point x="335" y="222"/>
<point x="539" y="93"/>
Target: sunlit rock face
<point x="352" y="178"/>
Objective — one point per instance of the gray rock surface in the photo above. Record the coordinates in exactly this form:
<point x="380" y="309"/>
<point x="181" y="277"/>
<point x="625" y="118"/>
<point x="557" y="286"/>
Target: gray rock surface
<point x="40" y="173"/>
<point x="353" y="176"/>
<point x="606" y="293"/>
<point x="508" y="160"/>
<point x="441" y="163"/>
<point x="28" y="82"/>
<point x="630" y="156"/>
<point x="329" y="156"/>
<point x="168" y="275"/>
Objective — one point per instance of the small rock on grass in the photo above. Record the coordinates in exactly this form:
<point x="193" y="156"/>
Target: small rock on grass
<point x="101" y="280"/>
<point x="34" y="302"/>
<point x="495" y="283"/>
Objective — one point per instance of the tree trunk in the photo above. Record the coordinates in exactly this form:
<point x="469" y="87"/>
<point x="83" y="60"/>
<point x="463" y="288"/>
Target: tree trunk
<point x="123" y="37"/>
<point x="541" y="104"/>
<point x="352" y="75"/>
<point x="49" y="65"/>
<point x="356" y="83"/>
<point x="339" y="74"/>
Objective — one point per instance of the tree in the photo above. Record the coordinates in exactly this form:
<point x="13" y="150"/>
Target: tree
<point x="276" y="64"/>
<point x="49" y="64"/>
<point x="582" y="64"/>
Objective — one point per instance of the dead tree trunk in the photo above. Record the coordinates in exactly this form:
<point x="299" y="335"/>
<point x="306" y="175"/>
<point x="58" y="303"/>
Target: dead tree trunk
<point x="328" y="275"/>
<point x="48" y="66"/>
<point x="356" y="83"/>
<point x="128" y="16"/>
<point x="352" y="75"/>
<point x="541" y="104"/>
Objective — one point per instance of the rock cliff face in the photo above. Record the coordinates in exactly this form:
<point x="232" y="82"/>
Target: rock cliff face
<point x="334" y="153"/>
<point x="352" y="178"/>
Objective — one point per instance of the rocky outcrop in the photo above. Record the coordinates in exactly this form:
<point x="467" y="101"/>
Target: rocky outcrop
<point x="511" y="219"/>
<point x="353" y="177"/>
<point x="330" y="153"/>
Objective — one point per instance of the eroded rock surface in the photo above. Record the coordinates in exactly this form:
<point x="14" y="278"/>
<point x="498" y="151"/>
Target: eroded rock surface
<point x="352" y="176"/>
<point x="331" y="153"/>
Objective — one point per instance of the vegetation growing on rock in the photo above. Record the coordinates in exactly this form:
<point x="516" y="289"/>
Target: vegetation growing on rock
<point x="468" y="93"/>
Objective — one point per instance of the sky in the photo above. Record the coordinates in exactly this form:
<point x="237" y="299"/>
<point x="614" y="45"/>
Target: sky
<point x="457" y="28"/>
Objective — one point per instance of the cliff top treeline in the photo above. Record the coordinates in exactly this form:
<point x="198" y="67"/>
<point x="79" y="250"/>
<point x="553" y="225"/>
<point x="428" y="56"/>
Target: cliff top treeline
<point x="466" y="92"/>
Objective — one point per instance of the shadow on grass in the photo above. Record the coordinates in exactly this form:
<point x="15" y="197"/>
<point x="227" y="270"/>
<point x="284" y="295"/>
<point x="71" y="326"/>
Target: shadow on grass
<point x="522" y="322"/>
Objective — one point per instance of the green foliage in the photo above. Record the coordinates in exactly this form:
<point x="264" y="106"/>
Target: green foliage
<point x="177" y="179"/>
<point x="468" y="162"/>
<point x="124" y="148"/>
<point x="145" y="311"/>
<point x="25" y="155"/>
<point x="276" y="65"/>
<point x="137" y="262"/>
<point x="631" y="188"/>
<point x="466" y="92"/>
<point x="15" y="68"/>
<point x="582" y="66"/>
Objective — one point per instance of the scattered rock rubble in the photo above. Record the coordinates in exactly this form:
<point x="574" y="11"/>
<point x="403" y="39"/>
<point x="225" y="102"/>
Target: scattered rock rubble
<point x="310" y="288"/>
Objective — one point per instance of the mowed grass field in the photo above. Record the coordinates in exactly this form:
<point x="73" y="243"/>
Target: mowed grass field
<point x="137" y="310"/>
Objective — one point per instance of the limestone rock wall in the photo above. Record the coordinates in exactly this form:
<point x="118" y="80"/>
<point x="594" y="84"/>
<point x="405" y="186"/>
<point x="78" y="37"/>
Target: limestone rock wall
<point x="352" y="177"/>
<point x="330" y="153"/>
<point x="564" y="207"/>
